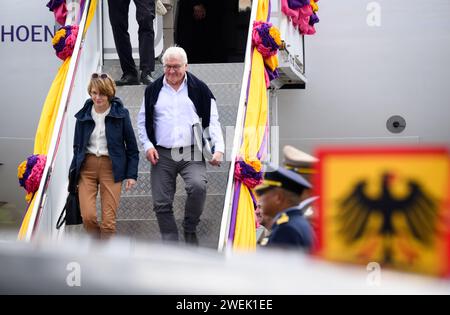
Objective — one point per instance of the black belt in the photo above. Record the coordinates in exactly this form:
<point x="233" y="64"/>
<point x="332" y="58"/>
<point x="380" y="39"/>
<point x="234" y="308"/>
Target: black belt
<point x="180" y="149"/>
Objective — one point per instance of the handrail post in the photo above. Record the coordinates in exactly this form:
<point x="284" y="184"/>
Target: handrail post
<point x="228" y="204"/>
<point x="41" y="194"/>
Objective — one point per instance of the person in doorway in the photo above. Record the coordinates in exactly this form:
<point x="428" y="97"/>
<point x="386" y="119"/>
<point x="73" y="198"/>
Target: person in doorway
<point x="145" y="14"/>
<point x="105" y="154"/>
<point x="199" y="30"/>
<point x="171" y="106"/>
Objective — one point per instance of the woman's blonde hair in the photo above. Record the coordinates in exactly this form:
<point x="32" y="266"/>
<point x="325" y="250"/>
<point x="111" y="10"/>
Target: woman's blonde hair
<point x="104" y="84"/>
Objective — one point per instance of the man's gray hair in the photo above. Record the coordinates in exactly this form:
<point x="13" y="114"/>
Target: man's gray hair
<point x="175" y="52"/>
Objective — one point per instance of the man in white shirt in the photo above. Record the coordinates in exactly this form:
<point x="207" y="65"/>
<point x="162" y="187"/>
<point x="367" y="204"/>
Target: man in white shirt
<point x="171" y="106"/>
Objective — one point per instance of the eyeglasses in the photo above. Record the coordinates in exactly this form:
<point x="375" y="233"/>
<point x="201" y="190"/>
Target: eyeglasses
<point x="101" y="76"/>
<point x="174" y="67"/>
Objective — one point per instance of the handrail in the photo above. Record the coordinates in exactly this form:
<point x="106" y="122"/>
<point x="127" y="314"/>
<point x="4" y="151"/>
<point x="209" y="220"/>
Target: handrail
<point x="228" y="204"/>
<point x="41" y="194"/>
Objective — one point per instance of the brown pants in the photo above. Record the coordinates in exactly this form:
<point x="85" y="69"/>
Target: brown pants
<point x="97" y="171"/>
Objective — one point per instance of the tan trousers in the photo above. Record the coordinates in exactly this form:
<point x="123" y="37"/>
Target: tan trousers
<point x="97" y="172"/>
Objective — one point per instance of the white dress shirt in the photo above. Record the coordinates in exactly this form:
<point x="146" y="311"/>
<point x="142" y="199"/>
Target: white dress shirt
<point x="174" y="116"/>
<point x="97" y="142"/>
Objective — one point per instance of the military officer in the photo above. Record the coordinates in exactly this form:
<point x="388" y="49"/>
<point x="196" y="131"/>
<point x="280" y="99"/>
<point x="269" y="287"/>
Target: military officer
<point x="279" y="197"/>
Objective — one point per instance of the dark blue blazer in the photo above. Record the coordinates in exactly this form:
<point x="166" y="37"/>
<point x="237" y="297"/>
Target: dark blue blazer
<point x="122" y="146"/>
<point x="291" y="229"/>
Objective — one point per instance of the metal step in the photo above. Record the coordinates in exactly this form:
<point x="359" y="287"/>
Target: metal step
<point x="227" y="94"/>
<point x="217" y="182"/>
<point x="133" y="210"/>
<point x="141" y="207"/>
<point x="209" y="73"/>
<point x="135" y="217"/>
<point x="148" y="230"/>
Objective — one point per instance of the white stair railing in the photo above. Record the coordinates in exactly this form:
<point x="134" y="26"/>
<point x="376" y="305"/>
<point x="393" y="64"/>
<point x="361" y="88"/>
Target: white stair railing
<point x="50" y="198"/>
<point x="239" y="131"/>
<point x="292" y="72"/>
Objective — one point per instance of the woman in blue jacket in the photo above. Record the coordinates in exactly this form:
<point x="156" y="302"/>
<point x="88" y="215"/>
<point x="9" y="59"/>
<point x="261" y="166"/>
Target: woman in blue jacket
<point x="105" y="155"/>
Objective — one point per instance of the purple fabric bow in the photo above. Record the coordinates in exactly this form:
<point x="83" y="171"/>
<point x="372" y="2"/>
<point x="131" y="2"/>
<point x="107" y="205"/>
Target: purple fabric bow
<point x="59" y="46"/>
<point x="53" y="4"/>
<point x="267" y="40"/>
<point x="31" y="162"/>
<point x="272" y="75"/>
<point x="314" y="19"/>
<point x="295" y="4"/>
<point x="247" y="174"/>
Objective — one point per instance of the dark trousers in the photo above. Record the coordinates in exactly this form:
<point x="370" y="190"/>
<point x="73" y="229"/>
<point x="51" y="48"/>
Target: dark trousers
<point x="145" y="14"/>
<point x="163" y="182"/>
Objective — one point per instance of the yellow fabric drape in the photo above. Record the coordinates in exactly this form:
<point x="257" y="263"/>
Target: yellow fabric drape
<point x="50" y="111"/>
<point x="90" y="16"/>
<point x="256" y="117"/>
<point x="254" y="132"/>
<point x="263" y="10"/>
<point x="245" y="232"/>
<point x="272" y="62"/>
<point x="48" y="116"/>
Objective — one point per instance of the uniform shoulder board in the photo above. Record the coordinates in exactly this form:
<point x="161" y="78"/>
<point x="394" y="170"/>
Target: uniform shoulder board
<point x="283" y="219"/>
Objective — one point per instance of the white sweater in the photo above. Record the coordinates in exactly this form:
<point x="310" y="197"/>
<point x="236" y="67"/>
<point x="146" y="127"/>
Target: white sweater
<point x="97" y="142"/>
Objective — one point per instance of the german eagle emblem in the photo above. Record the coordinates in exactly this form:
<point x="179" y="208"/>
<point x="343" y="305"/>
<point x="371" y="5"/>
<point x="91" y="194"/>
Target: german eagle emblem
<point x="419" y="210"/>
